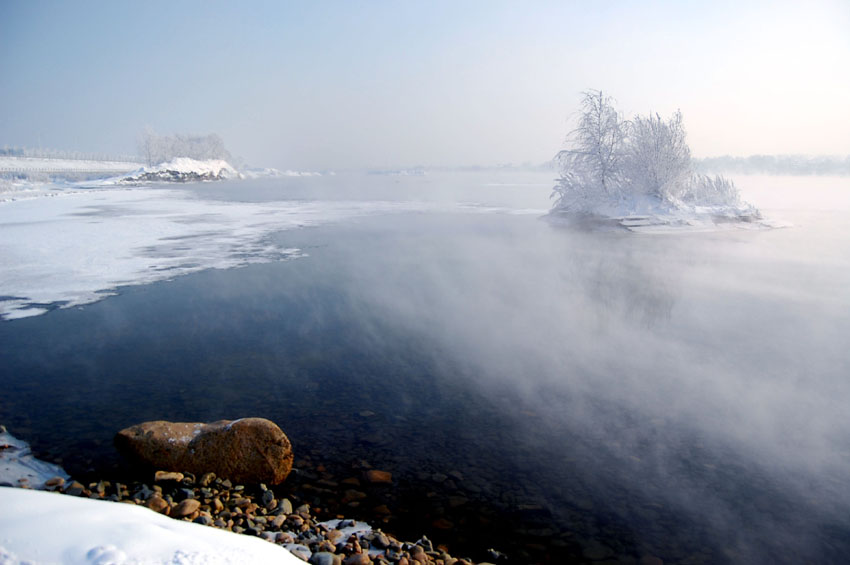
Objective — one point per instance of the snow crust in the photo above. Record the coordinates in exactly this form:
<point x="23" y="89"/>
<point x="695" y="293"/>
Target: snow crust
<point x="649" y="214"/>
<point x="38" y="527"/>
<point x="65" y="248"/>
<point x="18" y="466"/>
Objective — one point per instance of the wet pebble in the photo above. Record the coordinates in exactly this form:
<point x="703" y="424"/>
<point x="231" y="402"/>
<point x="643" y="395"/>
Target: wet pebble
<point x="185" y="508"/>
<point x="168" y="476"/>
<point x="325" y="558"/>
<point x="158" y="504"/>
<point x="357" y="559"/>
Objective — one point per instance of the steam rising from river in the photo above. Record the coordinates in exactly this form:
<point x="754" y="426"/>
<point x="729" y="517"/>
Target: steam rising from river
<point x="706" y="371"/>
<point x="696" y="374"/>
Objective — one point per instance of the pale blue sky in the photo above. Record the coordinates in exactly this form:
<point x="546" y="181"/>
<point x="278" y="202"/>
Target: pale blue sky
<point x="314" y="85"/>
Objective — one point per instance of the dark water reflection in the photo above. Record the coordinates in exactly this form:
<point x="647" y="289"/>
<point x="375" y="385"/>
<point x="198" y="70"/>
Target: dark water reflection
<point x="593" y="394"/>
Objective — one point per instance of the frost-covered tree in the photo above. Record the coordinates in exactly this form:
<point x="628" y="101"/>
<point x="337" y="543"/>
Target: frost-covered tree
<point x="156" y="149"/>
<point x="598" y="141"/>
<point x="613" y="164"/>
<point x="657" y="158"/>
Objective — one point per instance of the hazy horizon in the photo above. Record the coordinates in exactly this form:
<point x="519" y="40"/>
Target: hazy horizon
<point x="314" y="86"/>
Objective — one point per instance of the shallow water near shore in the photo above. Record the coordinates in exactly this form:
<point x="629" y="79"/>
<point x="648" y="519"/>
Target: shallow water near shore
<point x="545" y="391"/>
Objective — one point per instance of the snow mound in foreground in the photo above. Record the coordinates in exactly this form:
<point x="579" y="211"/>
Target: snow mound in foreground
<point x="41" y="527"/>
<point x="183" y="169"/>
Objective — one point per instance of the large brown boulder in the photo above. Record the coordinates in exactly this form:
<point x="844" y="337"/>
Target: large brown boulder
<point x="250" y="450"/>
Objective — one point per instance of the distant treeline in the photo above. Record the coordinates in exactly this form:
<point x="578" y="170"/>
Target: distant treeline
<point x="42" y="153"/>
<point x="776" y="165"/>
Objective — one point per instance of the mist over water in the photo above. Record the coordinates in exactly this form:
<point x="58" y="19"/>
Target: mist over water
<point x="705" y="373"/>
<point x="683" y="393"/>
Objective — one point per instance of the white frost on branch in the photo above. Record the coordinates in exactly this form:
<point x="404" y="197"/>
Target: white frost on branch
<point x="158" y="149"/>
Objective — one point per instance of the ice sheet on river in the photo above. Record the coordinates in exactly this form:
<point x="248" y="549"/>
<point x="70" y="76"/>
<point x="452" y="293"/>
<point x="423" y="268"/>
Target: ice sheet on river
<point x="76" y="246"/>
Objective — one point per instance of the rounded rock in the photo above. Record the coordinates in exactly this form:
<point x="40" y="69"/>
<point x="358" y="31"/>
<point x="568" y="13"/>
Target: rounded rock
<point x="325" y="558"/>
<point x="185" y="508"/>
<point x="158" y="504"/>
<point x="250" y="450"/>
<point x="357" y="559"/>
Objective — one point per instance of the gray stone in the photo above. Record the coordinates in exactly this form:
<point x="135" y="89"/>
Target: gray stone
<point x="142" y="493"/>
<point x="380" y="540"/>
<point x="325" y="558"/>
<point x="75" y="489"/>
<point x="268" y="497"/>
<point x="426" y="544"/>
<point x="285" y="506"/>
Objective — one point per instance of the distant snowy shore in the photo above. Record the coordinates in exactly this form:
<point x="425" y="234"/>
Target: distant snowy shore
<point x="18" y="172"/>
<point x="182" y="169"/>
<point x="30" y="165"/>
<point x="269" y="172"/>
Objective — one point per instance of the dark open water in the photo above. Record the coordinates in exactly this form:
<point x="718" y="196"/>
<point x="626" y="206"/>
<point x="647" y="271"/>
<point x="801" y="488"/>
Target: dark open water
<point x="558" y="395"/>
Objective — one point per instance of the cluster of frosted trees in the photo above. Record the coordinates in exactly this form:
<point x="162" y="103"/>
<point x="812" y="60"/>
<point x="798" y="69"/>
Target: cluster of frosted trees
<point x="613" y="160"/>
<point x="156" y="149"/>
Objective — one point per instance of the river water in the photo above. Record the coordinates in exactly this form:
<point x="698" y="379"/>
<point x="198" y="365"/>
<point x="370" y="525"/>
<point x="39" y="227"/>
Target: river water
<point x="547" y="391"/>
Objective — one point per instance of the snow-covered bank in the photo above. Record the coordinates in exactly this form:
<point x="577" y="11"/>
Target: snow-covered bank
<point x="269" y="172"/>
<point x="30" y="165"/>
<point x="648" y="214"/>
<point x="78" y="246"/>
<point x="18" y="466"/>
<point x="39" y="527"/>
<point x="182" y="169"/>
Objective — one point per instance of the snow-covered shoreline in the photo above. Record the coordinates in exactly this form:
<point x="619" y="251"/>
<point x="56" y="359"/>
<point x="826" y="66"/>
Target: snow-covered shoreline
<point x="656" y="217"/>
<point x="181" y="169"/>
<point x="31" y="165"/>
<point x="41" y="527"/>
<point x="79" y="248"/>
<point x="38" y="527"/>
<point x="94" y="528"/>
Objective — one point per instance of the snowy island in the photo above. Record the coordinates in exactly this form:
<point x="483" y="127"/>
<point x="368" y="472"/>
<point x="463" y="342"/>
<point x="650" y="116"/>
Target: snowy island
<point x="637" y="174"/>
